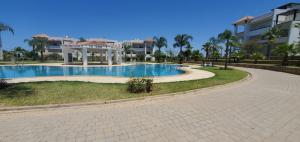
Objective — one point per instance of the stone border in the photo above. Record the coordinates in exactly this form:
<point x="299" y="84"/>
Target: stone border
<point x="190" y="74"/>
<point x="19" y="109"/>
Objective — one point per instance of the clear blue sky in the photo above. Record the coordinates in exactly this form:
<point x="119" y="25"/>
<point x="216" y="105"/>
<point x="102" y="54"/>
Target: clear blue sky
<point x="126" y="19"/>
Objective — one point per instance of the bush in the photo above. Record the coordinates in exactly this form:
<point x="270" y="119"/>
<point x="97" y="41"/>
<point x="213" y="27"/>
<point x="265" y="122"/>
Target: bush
<point x="257" y="56"/>
<point x="3" y="84"/>
<point x="140" y="85"/>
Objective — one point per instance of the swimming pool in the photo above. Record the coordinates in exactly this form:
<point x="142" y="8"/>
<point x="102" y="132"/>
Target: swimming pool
<point x="138" y="70"/>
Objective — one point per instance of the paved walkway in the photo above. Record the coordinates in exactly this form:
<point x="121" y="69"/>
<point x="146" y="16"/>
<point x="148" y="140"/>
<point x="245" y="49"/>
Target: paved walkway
<point x="263" y="109"/>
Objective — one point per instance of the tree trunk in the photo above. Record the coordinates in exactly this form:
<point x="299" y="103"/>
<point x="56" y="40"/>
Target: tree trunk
<point x="158" y="55"/>
<point x="125" y="57"/>
<point x="130" y="55"/>
<point x="226" y="56"/>
<point x="285" y="60"/>
<point x="180" y="56"/>
<point x="269" y="51"/>
<point x="255" y="61"/>
<point x="42" y="56"/>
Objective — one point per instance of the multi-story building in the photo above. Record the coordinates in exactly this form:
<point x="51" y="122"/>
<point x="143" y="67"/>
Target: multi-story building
<point x="284" y="17"/>
<point x="140" y="48"/>
<point x="55" y="43"/>
<point x="103" y="50"/>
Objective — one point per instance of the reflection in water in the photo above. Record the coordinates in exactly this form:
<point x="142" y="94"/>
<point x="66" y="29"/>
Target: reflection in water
<point x="139" y="70"/>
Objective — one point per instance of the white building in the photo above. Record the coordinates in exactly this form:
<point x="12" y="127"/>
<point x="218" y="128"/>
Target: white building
<point x="284" y="17"/>
<point x="142" y="48"/>
<point x="103" y="50"/>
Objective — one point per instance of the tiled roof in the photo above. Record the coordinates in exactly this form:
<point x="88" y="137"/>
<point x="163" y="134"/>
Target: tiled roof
<point x="243" y="20"/>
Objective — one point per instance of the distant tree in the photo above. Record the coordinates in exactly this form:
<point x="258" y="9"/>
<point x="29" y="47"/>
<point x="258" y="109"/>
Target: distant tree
<point x="257" y="56"/>
<point x="182" y="41"/>
<point x="160" y="42"/>
<point x="127" y="49"/>
<point x="170" y="55"/>
<point x="207" y="48"/>
<point x="19" y="51"/>
<point x="188" y="53"/>
<point x="196" y="55"/>
<point x="38" y="44"/>
<point x="249" y="47"/>
<point x="215" y="55"/>
<point x="237" y="56"/>
<point x="3" y="28"/>
<point x="215" y="44"/>
<point x="284" y="51"/>
<point x="271" y="35"/>
<point x="159" y="55"/>
<point x="234" y="43"/>
<point x="229" y="40"/>
<point x="81" y="39"/>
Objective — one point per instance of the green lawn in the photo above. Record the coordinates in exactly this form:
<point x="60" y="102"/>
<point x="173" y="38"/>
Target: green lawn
<point x="70" y="92"/>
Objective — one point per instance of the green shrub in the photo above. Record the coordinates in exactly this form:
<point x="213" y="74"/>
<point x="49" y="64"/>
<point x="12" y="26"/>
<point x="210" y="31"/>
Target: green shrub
<point x="140" y="85"/>
<point x="3" y="84"/>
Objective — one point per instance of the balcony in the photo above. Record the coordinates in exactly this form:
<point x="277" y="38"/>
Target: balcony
<point x="54" y="47"/>
<point x="278" y="40"/>
<point x="240" y="34"/>
<point x="258" y="31"/>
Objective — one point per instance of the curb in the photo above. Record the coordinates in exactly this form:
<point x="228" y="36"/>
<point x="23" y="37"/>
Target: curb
<point x="44" y="107"/>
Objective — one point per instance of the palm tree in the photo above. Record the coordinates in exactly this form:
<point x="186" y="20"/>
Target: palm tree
<point x="182" y="41"/>
<point x="271" y="35"/>
<point x="230" y="41"/>
<point x="19" y="51"/>
<point x="257" y="56"/>
<point x="215" y="49"/>
<point x="285" y="50"/>
<point x="196" y="55"/>
<point x="249" y="47"/>
<point x="127" y="48"/>
<point x="188" y="53"/>
<point x="4" y="27"/>
<point x="38" y="44"/>
<point x="160" y="42"/>
<point x="207" y="47"/>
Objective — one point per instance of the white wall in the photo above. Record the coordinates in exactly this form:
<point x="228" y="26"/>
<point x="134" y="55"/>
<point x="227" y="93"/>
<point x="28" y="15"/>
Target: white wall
<point x="294" y="34"/>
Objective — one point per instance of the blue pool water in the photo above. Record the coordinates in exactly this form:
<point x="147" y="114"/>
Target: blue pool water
<point x="139" y="70"/>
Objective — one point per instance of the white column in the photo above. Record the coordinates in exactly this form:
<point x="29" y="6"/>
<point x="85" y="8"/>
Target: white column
<point x="65" y="55"/>
<point x="115" y="57"/>
<point x="109" y="56"/>
<point x="120" y="56"/>
<point x="84" y="56"/>
<point x="130" y="55"/>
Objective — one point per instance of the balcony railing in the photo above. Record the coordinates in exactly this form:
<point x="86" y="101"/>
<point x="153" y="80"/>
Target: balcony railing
<point x="258" y="31"/>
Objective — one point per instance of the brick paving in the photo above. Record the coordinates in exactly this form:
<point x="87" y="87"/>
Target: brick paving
<point x="263" y="109"/>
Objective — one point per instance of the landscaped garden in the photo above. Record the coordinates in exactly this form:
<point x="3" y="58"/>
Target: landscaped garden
<point x="42" y="93"/>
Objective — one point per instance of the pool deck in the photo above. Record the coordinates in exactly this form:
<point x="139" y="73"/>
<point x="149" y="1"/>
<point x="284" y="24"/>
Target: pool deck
<point x="191" y="74"/>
